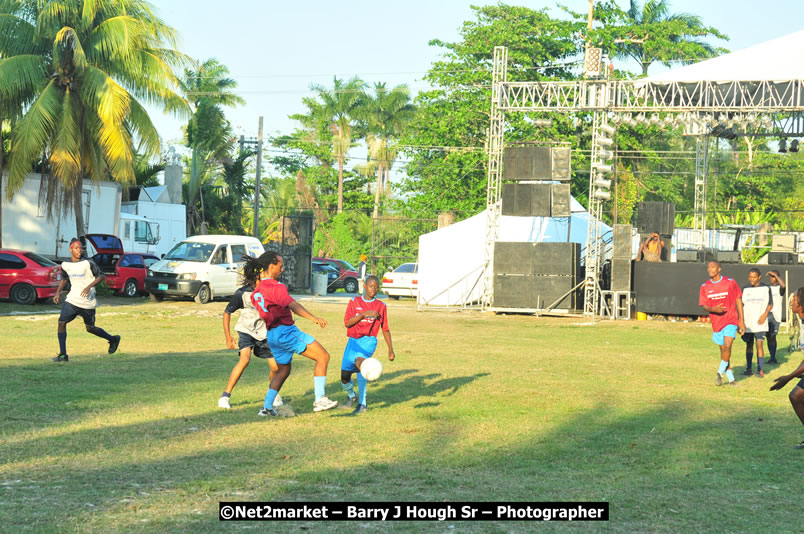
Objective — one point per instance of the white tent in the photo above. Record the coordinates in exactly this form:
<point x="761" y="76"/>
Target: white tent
<point x="775" y="60"/>
<point x="452" y="259"/>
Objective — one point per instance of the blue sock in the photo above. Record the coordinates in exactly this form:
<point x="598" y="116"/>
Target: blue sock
<point x="319" y="386"/>
<point x="269" y="399"/>
<point x="723" y="366"/>
<point x="62" y="342"/>
<point x="362" y="383"/>
<point x="760" y="362"/>
<point x="349" y="388"/>
<point x="730" y="375"/>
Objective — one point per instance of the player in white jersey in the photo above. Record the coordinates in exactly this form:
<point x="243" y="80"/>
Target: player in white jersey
<point x="83" y="275"/>
<point x="757" y="306"/>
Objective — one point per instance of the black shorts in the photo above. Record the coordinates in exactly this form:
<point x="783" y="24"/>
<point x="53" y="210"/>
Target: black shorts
<point x="773" y="325"/>
<point x="70" y="312"/>
<point x="800" y="384"/>
<point x="749" y="337"/>
<point x="259" y="347"/>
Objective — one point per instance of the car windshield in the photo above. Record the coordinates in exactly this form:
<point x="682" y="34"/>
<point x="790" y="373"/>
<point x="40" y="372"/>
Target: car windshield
<point x="189" y="251"/>
<point x="406" y="268"/>
<point x="41" y="260"/>
<point x="346" y="265"/>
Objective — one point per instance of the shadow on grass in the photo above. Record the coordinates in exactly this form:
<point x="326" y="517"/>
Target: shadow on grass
<point x="665" y="469"/>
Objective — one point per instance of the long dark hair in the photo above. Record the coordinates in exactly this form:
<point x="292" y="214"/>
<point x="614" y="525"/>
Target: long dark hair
<point x="254" y="266"/>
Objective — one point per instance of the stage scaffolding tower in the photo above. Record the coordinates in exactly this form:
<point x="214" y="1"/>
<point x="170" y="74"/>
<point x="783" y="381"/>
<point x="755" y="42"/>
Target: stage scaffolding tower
<point x="705" y="108"/>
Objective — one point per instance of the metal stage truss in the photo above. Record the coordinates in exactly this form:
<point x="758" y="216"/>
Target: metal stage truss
<point x="705" y="108"/>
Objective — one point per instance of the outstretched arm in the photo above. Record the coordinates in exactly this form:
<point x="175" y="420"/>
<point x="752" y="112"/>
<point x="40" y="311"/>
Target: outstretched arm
<point x="782" y="381"/>
<point x="299" y="310"/>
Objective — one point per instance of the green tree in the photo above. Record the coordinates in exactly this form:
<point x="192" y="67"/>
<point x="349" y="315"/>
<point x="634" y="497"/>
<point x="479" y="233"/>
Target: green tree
<point x="654" y="34"/>
<point x="74" y="73"/>
<point x="386" y="114"/>
<point x="446" y="139"/>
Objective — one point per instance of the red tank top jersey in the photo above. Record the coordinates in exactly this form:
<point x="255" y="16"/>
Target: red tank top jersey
<point x="271" y="298"/>
<point x="723" y="292"/>
<point x="368" y="326"/>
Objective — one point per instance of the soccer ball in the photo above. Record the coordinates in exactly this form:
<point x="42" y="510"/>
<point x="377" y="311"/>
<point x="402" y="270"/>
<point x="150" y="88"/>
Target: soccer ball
<point x="371" y="369"/>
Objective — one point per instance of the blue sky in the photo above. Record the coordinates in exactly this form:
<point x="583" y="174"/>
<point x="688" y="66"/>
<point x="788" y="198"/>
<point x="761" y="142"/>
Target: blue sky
<point x="276" y="49"/>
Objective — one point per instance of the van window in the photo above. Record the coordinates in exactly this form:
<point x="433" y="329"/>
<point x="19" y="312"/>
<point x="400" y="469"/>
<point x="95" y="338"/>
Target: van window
<point x="127" y="230"/>
<point x="190" y="251"/>
<point x="238" y="251"/>
<point x="220" y="256"/>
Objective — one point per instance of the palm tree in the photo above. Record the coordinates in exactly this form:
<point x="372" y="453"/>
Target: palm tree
<point x="208" y="133"/>
<point x="339" y="108"/>
<point x="668" y="37"/>
<point x="74" y="72"/>
<point x="386" y="114"/>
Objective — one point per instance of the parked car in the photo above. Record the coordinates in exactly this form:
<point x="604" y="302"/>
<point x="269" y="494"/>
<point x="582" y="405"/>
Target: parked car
<point x="333" y="278"/>
<point x="347" y="274"/>
<point x="27" y="276"/>
<point x="402" y="281"/>
<point x="201" y="267"/>
<point x="125" y="273"/>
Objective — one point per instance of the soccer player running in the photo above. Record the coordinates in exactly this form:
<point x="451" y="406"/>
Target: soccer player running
<point x="797" y="394"/>
<point x="721" y="298"/>
<point x="757" y="306"/>
<point x="276" y="308"/>
<point x="83" y="275"/>
<point x="778" y="313"/>
<point x="251" y="332"/>
<point x="365" y="316"/>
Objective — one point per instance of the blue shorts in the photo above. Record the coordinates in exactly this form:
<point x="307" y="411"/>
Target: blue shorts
<point x="357" y="347"/>
<point x="70" y="312"/>
<point x="728" y="331"/>
<point x="287" y="340"/>
<point x="259" y="347"/>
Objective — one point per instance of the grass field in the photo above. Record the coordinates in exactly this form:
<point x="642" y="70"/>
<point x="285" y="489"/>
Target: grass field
<point x="476" y="407"/>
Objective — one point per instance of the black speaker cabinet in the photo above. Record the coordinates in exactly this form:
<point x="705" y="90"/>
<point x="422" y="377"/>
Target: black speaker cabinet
<point x="546" y="289"/>
<point x="511" y="291"/>
<point x="509" y="199"/>
<point x="513" y="258"/>
<point x="689" y="256"/>
<point x="621" y="241"/>
<point x="561" y="166"/>
<point x="729" y="256"/>
<point x="782" y="258"/>
<point x="536" y="163"/>
<point x="621" y="274"/>
<point x="539" y="199"/>
<point x="656" y="217"/>
<point x="557" y="259"/>
<point x="560" y="200"/>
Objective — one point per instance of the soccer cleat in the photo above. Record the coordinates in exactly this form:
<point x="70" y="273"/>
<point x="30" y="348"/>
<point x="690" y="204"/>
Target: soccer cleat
<point x="800" y="446"/>
<point x="350" y="402"/>
<point x="113" y="344"/>
<point x="323" y="404"/>
<point x="733" y="383"/>
<point x="760" y="374"/>
<point x="772" y="360"/>
<point x="361" y="408"/>
<point x="718" y="379"/>
<point x="223" y="402"/>
<point x="748" y="372"/>
<point x="267" y="413"/>
<point x="61" y="358"/>
<point x="278" y="401"/>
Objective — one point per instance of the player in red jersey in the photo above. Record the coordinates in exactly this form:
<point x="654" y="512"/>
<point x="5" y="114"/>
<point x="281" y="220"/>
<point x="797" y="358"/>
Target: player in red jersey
<point x="365" y="317"/>
<point x="721" y="297"/>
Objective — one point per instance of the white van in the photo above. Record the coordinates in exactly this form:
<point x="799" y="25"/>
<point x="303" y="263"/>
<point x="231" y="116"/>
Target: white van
<point x="202" y="267"/>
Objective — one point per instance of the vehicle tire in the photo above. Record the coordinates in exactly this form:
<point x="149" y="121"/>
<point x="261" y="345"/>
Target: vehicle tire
<point x="156" y="298"/>
<point x="350" y="285"/>
<point x="204" y="294"/>
<point x="130" y="288"/>
<point x="331" y="289"/>
<point x="395" y="297"/>
<point x="23" y="294"/>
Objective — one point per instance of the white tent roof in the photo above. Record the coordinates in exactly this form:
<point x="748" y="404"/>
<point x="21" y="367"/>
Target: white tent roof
<point x="775" y="60"/>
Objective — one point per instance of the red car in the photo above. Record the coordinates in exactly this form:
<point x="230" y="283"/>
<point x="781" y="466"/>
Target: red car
<point x="125" y="271"/>
<point x="347" y="277"/>
<point x="27" y="276"/>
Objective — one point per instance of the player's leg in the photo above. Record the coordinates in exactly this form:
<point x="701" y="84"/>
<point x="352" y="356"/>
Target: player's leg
<point x="797" y="400"/>
<point x="773" y="329"/>
<point x="725" y="357"/>
<point x="89" y="322"/>
<point x="749" y="353"/>
<point x="760" y="356"/>
<point x="68" y="313"/>
<point x="282" y="373"/>
<point x="348" y="367"/>
<point x="316" y="352"/>
<point x="234" y="376"/>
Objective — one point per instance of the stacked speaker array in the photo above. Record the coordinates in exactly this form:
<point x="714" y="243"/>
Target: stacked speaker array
<point x="621" y="258"/>
<point x="535" y="275"/>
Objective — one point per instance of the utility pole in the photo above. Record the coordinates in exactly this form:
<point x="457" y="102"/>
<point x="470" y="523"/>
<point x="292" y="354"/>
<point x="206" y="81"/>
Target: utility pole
<point x="257" y="182"/>
<point x="256" y="145"/>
